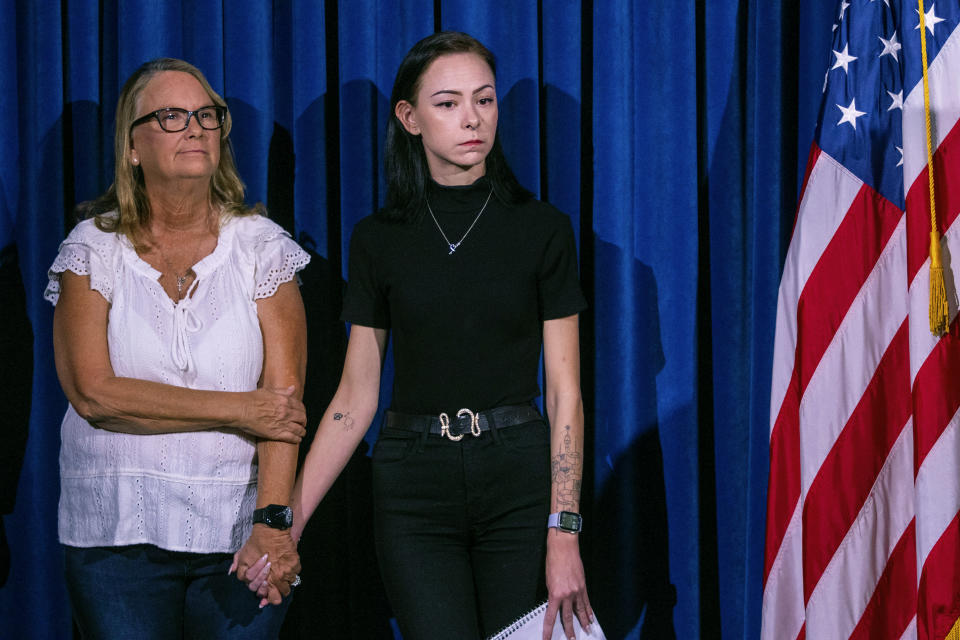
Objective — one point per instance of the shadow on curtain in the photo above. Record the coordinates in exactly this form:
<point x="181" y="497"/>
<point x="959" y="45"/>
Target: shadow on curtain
<point x="629" y="564"/>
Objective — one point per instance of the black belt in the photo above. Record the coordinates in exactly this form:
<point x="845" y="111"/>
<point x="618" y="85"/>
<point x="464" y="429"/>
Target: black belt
<point x="466" y="421"/>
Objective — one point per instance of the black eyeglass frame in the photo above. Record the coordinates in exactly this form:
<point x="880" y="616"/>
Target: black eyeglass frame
<point x="220" y="111"/>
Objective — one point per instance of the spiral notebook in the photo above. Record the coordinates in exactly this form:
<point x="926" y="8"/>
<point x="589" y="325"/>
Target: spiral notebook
<point x="530" y="627"/>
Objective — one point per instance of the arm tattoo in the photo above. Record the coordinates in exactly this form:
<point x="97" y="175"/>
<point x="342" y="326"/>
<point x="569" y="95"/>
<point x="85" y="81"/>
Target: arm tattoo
<point x="567" y="473"/>
<point x="345" y="419"/>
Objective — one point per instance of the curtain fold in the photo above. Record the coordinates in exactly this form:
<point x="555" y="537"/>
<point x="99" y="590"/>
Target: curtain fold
<point x="38" y="170"/>
<point x="645" y="237"/>
<point x="671" y="133"/>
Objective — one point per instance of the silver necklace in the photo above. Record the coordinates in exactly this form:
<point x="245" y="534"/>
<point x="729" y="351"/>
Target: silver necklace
<point x="181" y="279"/>
<point x="455" y="245"/>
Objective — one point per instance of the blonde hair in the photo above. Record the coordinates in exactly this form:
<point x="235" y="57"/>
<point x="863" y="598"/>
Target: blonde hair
<point x="125" y="208"/>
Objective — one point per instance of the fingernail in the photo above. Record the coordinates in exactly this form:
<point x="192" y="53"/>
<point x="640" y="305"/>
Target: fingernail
<point x="264" y="556"/>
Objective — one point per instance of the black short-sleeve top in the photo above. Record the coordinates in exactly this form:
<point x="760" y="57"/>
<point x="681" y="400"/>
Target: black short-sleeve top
<point x="466" y="326"/>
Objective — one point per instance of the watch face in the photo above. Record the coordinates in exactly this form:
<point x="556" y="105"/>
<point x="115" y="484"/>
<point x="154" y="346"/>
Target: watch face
<point x="274" y="516"/>
<point x="569" y="521"/>
<point x="283" y="517"/>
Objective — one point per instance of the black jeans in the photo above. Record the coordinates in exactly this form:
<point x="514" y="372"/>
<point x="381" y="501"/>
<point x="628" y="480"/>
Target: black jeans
<point x="461" y="528"/>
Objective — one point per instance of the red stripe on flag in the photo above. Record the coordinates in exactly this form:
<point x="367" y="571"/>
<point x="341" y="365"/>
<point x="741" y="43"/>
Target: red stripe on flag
<point x="784" y="482"/>
<point x="830" y="290"/>
<point x="938" y="597"/>
<point x="840" y="273"/>
<point x="892" y="605"/>
<point x="855" y="460"/>
<point x="936" y="393"/>
<point x="946" y="167"/>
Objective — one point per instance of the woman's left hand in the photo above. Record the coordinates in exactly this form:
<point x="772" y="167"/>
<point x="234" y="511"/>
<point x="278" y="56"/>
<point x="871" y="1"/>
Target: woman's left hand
<point x="566" y="584"/>
<point x="268" y="563"/>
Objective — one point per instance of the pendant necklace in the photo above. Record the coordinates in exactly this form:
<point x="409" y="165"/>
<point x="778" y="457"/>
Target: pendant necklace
<point x="454" y="245"/>
<point x="180" y="279"/>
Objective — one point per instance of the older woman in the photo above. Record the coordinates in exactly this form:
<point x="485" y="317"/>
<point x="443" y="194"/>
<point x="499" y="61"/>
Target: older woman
<point x="179" y="336"/>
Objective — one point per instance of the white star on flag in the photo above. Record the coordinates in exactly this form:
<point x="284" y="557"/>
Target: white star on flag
<point x="897" y="100"/>
<point x="843" y="59"/>
<point x="891" y="47"/>
<point x="850" y="114"/>
<point x="930" y="18"/>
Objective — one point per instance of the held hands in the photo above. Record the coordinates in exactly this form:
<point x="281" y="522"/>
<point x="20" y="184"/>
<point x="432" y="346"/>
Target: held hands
<point x="275" y="414"/>
<point x="566" y="585"/>
<point x="268" y="562"/>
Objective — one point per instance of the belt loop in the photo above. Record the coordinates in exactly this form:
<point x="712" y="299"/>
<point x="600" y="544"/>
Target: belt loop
<point x="424" y="434"/>
<point x="494" y="427"/>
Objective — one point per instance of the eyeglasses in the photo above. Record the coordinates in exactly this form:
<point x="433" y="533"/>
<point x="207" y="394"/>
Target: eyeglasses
<point x="173" y="119"/>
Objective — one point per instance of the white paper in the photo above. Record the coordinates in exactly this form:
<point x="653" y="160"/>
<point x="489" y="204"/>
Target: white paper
<point x="530" y="627"/>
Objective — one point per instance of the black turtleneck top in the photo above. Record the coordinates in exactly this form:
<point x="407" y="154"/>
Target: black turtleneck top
<point x="466" y="327"/>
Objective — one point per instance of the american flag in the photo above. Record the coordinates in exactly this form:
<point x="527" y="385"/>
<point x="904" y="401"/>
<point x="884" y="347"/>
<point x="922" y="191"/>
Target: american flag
<point x="863" y="537"/>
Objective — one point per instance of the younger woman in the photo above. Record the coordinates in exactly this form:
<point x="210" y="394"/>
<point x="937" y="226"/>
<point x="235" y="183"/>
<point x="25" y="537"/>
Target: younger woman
<point x="472" y="276"/>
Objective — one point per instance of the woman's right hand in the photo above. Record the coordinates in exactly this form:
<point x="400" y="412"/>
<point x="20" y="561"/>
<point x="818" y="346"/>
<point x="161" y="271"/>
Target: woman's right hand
<point x="275" y="414"/>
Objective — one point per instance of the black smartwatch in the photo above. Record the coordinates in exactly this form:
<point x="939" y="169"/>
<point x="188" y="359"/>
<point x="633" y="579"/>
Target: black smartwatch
<point x="275" y="516"/>
<point x="566" y="521"/>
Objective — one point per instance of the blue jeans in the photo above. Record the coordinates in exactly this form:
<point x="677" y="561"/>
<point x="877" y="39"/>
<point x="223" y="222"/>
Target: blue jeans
<point x="142" y="592"/>
<point x="460" y="528"/>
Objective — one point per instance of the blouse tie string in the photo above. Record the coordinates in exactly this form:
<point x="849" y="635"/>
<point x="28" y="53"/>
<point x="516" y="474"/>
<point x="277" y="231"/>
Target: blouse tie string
<point x="185" y="321"/>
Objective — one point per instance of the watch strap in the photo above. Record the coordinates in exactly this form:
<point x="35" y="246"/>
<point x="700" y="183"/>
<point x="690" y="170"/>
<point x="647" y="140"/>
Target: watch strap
<point x="275" y="516"/>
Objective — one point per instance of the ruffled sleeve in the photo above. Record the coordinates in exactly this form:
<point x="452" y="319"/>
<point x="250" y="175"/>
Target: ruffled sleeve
<point x="87" y="251"/>
<point x="277" y="258"/>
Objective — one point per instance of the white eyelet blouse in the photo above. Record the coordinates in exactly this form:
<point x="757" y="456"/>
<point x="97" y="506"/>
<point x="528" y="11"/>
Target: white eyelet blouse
<point x="182" y="491"/>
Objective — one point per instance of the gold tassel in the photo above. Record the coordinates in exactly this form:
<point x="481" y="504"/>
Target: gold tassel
<point x="954" y="633"/>
<point x="939" y="311"/>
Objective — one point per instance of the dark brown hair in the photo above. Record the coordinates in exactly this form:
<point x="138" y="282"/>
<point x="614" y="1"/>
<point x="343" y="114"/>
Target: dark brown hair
<point x="405" y="161"/>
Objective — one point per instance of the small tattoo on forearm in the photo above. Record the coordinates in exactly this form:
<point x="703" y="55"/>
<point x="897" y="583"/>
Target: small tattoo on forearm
<point x="345" y="418"/>
<point x="568" y="472"/>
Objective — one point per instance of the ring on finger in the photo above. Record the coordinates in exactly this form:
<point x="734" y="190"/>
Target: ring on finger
<point x="296" y="581"/>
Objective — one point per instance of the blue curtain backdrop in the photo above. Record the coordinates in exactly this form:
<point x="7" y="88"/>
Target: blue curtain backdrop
<point x="673" y="133"/>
